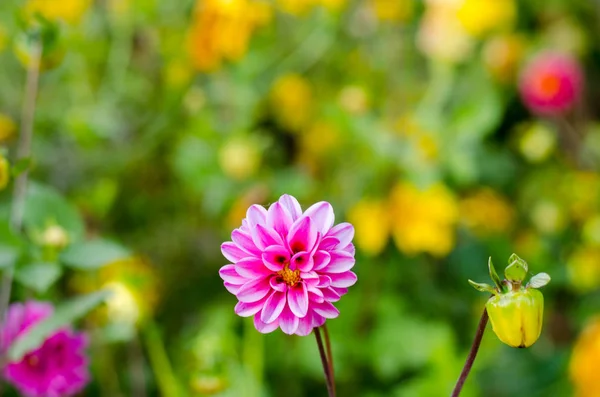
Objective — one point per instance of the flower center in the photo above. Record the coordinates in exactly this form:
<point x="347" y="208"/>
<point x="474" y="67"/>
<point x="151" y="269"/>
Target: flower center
<point x="549" y="85"/>
<point x="290" y="277"/>
<point x="33" y="361"/>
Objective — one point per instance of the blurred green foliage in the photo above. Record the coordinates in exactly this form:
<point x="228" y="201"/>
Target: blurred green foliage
<point x="159" y="122"/>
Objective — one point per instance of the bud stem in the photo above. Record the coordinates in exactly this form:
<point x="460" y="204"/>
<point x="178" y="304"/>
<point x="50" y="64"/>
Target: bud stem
<point x="326" y="367"/>
<point x="472" y="354"/>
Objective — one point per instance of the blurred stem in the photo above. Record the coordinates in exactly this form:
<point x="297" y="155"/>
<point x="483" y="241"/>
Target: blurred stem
<point x="328" y="377"/>
<point x="23" y="151"/>
<point x="329" y="355"/>
<point x="159" y="361"/>
<point x="438" y="92"/>
<point x="253" y="357"/>
<point x="136" y="368"/>
<point x="472" y="354"/>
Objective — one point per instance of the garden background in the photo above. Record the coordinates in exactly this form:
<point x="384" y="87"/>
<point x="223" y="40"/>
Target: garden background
<point x="158" y="123"/>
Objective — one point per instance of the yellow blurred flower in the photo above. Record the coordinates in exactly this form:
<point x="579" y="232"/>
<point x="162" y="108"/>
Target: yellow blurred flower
<point x="178" y="73"/>
<point x="291" y="100"/>
<point x="583" y="268"/>
<point x="548" y="216"/>
<point x="135" y="290"/>
<point x="479" y="17"/>
<point x="7" y="127"/>
<point x="389" y="10"/>
<point x="536" y="141"/>
<point x="423" y="220"/>
<point x="54" y="236"/>
<point x="354" y="99"/>
<point x="4" y="172"/>
<point x="582" y="188"/>
<point x="502" y="54"/>
<point x="70" y="11"/>
<point x="221" y="30"/>
<point x="441" y="36"/>
<point x="591" y="230"/>
<point x="485" y="212"/>
<point x="585" y="360"/>
<point x="319" y="139"/>
<point x="371" y="220"/>
<point x="240" y="157"/>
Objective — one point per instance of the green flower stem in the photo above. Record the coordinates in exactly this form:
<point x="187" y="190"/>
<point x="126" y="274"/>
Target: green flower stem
<point x="328" y="377"/>
<point x="159" y="361"/>
<point x="472" y="354"/>
<point x="253" y="353"/>
<point x="20" y="186"/>
<point x="329" y="355"/>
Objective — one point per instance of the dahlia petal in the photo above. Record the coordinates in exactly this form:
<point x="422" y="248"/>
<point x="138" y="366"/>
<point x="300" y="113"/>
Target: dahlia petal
<point x="263" y="327"/>
<point x="321" y="259"/>
<point x="328" y="243"/>
<point x="297" y="298"/>
<point x="305" y="325"/>
<point x="245" y="309"/>
<point x="232" y="288"/>
<point x="302" y="235"/>
<point x="256" y="215"/>
<point x="340" y="291"/>
<point x="279" y="218"/>
<point x="244" y="241"/>
<point x="317" y="319"/>
<point x="275" y="256"/>
<point x="253" y="290"/>
<point x="330" y="295"/>
<point x="344" y="232"/>
<point x="326" y="309"/>
<point x="291" y="205"/>
<point x="322" y="216"/>
<point x="315" y="294"/>
<point x="273" y="307"/>
<point x="232" y="252"/>
<point x="302" y="261"/>
<point x="343" y="280"/>
<point x="251" y="268"/>
<point x="350" y="249"/>
<point x="340" y="262"/>
<point x="324" y="281"/>
<point x="277" y="284"/>
<point x="229" y="274"/>
<point x="311" y="277"/>
<point x="265" y="237"/>
<point x="288" y="322"/>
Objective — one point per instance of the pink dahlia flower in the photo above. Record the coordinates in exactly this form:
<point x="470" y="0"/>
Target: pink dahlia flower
<point x="551" y="83"/>
<point x="58" y="368"/>
<point x="287" y="267"/>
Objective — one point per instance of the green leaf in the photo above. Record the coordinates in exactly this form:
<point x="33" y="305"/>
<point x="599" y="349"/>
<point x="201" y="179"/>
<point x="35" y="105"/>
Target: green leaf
<point x="494" y="274"/>
<point x="44" y="205"/>
<point x="38" y="276"/>
<point x="63" y="316"/>
<point x="8" y="256"/>
<point x="21" y="166"/>
<point x="483" y="287"/>
<point x="539" y="280"/>
<point x="517" y="269"/>
<point x="93" y="254"/>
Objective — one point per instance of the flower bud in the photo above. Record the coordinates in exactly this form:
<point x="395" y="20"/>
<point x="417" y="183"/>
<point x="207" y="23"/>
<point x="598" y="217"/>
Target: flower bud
<point x="516" y="316"/>
<point x="515" y="310"/>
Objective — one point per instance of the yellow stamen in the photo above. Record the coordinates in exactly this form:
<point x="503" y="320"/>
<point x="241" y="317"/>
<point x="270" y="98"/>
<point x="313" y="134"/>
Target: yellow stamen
<point x="290" y="277"/>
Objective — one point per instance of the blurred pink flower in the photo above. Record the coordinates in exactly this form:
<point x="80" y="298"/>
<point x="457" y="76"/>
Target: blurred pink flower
<point x="58" y="368"/>
<point x="288" y="266"/>
<point x="551" y="83"/>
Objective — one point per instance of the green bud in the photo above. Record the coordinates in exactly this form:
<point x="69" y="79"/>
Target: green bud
<point x="517" y="268"/>
<point x="517" y="316"/>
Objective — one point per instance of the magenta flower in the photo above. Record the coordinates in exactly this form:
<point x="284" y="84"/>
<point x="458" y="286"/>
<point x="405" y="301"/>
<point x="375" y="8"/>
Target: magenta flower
<point x="288" y="266"/>
<point x="551" y="83"/>
<point x="58" y="368"/>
